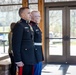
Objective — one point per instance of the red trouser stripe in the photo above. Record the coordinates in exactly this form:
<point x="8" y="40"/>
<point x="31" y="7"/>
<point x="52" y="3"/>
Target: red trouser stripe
<point x="20" y="69"/>
<point x="33" y="70"/>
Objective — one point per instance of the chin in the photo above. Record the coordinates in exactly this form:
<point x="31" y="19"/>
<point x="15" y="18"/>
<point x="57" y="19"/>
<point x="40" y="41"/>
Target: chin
<point x="38" y="22"/>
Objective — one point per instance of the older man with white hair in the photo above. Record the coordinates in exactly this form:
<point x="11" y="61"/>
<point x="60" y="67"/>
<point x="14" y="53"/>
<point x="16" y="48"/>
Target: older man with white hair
<point x="35" y="20"/>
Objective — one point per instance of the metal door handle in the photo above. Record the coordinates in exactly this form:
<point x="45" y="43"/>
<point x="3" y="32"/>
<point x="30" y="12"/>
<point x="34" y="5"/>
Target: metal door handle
<point x="66" y="38"/>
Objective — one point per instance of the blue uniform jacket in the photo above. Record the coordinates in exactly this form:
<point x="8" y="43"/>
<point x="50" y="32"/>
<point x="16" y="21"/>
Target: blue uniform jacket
<point x="37" y="39"/>
<point x="23" y="44"/>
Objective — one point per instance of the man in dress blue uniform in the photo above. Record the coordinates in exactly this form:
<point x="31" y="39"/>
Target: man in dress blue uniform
<point x="35" y="20"/>
<point x="23" y="43"/>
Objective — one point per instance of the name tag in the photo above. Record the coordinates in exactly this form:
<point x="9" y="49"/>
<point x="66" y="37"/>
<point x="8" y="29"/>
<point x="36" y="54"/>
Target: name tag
<point x="26" y="27"/>
<point x="37" y="30"/>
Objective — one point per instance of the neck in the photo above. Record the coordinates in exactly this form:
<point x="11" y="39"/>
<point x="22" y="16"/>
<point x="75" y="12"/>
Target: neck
<point x="28" y="21"/>
<point x="34" y="22"/>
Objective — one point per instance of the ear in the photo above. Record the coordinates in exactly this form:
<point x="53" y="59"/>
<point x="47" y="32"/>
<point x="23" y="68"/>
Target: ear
<point x="22" y="15"/>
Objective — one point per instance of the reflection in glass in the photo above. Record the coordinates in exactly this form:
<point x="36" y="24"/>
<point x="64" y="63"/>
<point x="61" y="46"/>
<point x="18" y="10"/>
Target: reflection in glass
<point x="10" y="2"/>
<point x="33" y="7"/>
<point x="8" y="14"/>
<point x="33" y="1"/>
<point x="58" y="0"/>
<point x="55" y="32"/>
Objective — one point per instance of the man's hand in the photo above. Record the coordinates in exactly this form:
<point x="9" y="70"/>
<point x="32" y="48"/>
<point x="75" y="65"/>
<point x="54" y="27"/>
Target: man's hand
<point x="20" y="64"/>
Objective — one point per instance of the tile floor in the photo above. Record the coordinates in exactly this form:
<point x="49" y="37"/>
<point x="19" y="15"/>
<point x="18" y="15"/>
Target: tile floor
<point x="59" y="69"/>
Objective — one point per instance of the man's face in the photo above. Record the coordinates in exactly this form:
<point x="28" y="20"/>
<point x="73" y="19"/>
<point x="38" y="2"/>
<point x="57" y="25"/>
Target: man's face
<point x="37" y="17"/>
<point x="26" y="15"/>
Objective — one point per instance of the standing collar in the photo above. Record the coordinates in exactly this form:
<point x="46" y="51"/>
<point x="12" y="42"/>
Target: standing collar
<point x="33" y="23"/>
<point x="25" y="20"/>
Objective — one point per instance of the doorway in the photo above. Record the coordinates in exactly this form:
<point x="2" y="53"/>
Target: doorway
<point x="61" y="34"/>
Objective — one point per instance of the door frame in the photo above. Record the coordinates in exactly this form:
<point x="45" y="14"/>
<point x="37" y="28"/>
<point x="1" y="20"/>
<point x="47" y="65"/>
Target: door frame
<point x="59" y="5"/>
<point x="55" y="58"/>
<point x="70" y="59"/>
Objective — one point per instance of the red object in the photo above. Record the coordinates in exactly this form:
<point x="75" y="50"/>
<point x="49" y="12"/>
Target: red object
<point x="20" y="69"/>
<point x="33" y="70"/>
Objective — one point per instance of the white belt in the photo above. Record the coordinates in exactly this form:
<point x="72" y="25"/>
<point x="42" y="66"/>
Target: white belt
<point x="37" y="43"/>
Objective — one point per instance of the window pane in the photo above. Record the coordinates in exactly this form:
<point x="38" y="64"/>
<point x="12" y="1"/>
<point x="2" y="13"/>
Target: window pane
<point x="73" y="23"/>
<point x="3" y="43"/>
<point x="33" y="1"/>
<point x="55" y="24"/>
<point x="73" y="32"/>
<point x="55" y="32"/>
<point x="72" y="47"/>
<point x="10" y="2"/>
<point x="8" y="14"/>
<point x="33" y="7"/>
<point x="57" y="0"/>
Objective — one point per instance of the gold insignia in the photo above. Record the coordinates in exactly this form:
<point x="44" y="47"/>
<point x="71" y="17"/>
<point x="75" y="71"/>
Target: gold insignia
<point x="30" y="27"/>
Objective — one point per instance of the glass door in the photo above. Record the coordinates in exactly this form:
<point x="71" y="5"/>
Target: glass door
<point x="55" y="30"/>
<point x="71" y="49"/>
<point x="61" y="35"/>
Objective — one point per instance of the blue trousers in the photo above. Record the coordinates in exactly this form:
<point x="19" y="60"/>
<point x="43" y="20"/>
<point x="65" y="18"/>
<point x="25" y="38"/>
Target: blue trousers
<point x="38" y="68"/>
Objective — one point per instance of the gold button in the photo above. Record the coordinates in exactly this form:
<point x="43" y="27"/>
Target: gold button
<point x="35" y="49"/>
<point x="25" y="49"/>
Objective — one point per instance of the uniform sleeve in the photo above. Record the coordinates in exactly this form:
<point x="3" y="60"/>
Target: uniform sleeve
<point x="16" y="41"/>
